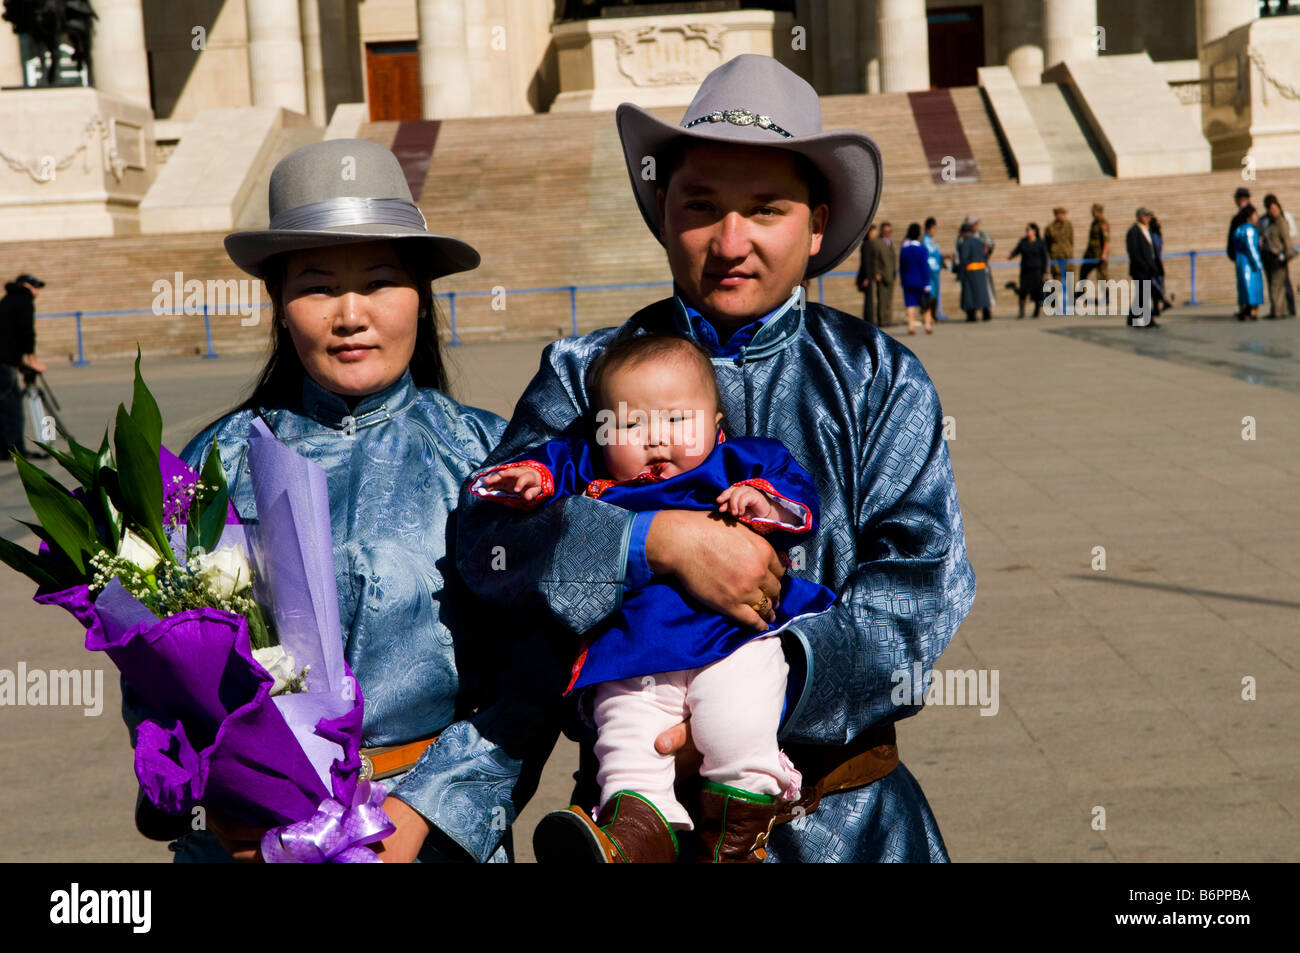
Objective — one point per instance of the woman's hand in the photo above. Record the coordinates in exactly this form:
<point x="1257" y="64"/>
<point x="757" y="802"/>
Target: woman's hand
<point x="402" y="846"/>
<point x="242" y="842"/>
<point x="677" y="740"/>
<point x="719" y="563"/>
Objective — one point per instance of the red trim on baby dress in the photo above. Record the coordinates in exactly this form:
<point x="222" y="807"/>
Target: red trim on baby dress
<point x="513" y="499"/>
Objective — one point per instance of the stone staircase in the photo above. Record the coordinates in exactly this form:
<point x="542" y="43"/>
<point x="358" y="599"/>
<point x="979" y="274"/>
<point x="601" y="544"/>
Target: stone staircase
<point x="1074" y="151"/>
<point x="547" y="202"/>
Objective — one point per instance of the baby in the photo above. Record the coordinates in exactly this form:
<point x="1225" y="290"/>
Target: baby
<point x="661" y="657"/>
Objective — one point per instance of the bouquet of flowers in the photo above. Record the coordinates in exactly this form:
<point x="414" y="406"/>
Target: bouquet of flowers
<point x="228" y="633"/>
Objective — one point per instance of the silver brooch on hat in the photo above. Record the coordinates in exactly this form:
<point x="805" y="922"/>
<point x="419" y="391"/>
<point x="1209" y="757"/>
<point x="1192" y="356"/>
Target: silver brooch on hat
<point x="740" y="117"/>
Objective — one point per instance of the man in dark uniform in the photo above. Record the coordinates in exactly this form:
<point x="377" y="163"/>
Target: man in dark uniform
<point x="867" y="276"/>
<point x="1098" y="248"/>
<point x="17" y="354"/>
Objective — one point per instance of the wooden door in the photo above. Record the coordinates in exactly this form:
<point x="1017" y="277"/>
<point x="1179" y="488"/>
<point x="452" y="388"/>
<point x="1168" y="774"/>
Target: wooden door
<point x="393" y="81"/>
<point x="956" y="45"/>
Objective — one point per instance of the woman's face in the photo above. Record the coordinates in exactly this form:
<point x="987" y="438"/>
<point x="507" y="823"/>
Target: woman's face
<point x="352" y="313"/>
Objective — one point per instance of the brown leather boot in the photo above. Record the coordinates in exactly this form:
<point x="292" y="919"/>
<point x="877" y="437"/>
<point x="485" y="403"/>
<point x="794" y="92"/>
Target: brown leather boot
<point x="733" y="825"/>
<point x="629" y="830"/>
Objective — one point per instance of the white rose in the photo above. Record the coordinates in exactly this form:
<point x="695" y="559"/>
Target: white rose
<point x="135" y="550"/>
<point x="227" y="570"/>
<point x="278" y="664"/>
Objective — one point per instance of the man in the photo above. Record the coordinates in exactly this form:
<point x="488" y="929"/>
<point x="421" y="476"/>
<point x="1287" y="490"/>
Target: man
<point x="1098" y="250"/>
<point x="885" y="259"/>
<point x="1242" y="198"/>
<point x="1060" y="245"/>
<point x="1277" y="249"/>
<point x="17" y="358"/>
<point x="751" y="200"/>
<point x="987" y="241"/>
<point x="1142" y="268"/>
<point x="867" y="275"/>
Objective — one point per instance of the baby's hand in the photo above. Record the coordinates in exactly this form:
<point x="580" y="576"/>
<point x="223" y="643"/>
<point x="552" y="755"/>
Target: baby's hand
<point x="523" y="482"/>
<point x="745" y="502"/>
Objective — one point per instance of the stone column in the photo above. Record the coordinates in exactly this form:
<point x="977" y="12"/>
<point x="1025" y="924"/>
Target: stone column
<point x="444" y="64"/>
<point x="869" y="46"/>
<point x="1217" y="17"/>
<point x="1068" y="27"/>
<point x="904" y="46"/>
<point x="275" y="60"/>
<point x="11" y="57"/>
<point x="119" y="64"/>
<point x="1020" y="40"/>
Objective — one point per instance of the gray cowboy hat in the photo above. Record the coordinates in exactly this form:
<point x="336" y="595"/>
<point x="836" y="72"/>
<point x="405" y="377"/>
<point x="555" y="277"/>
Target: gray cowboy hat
<point x="754" y="100"/>
<point x="342" y="191"/>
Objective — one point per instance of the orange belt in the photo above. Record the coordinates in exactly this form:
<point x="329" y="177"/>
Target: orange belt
<point x="976" y="266"/>
<point x="384" y="762"/>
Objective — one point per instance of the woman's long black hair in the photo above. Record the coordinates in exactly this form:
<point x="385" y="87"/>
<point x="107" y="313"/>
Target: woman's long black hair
<point x="280" y="382"/>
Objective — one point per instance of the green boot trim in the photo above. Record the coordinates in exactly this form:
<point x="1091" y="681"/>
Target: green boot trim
<point x="713" y="787"/>
<point x="618" y="801"/>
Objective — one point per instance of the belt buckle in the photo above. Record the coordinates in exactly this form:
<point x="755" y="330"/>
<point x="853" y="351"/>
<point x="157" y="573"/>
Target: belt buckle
<point x="367" y="768"/>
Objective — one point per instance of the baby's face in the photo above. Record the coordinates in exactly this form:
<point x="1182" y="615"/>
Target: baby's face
<point x="656" y="414"/>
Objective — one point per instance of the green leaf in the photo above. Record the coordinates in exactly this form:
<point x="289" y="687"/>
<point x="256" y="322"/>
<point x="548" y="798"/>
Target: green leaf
<point x="140" y="481"/>
<point x="83" y="474"/>
<point x="70" y="528"/>
<point x="144" y="409"/>
<point x="207" y="519"/>
<point x="46" y="575"/>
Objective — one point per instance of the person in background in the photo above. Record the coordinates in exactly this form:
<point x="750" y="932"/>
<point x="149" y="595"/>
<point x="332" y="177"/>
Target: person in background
<point x="1276" y="250"/>
<point x="1141" y="267"/>
<point x="914" y="273"/>
<point x="971" y="265"/>
<point x="1242" y="198"/>
<point x="17" y="359"/>
<point x="1033" y="269"/>
<point x="886" y="267"/>
<point x="1250" y="267"/>
<point x="1098" y="249"/>
<point x="936" y="260"/>
<point x="1060" y="244"/>
<point x="867" y="275"/>
<point x="1160" y="301"/>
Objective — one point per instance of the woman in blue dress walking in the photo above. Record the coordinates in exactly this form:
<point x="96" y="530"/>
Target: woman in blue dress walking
<point x="1250" y="267"/>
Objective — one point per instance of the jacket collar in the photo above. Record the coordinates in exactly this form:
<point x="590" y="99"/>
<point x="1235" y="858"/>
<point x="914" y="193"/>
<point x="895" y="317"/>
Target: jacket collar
<point x="778" y="330"/>
<point x="331" y="410"/>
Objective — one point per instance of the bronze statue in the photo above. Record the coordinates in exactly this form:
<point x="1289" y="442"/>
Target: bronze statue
<point x="49" y="23"/>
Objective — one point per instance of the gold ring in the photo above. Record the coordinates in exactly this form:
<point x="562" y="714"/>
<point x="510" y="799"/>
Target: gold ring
<point x="763" y="605"/>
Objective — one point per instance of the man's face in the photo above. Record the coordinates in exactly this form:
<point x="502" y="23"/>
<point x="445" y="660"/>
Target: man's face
<point x="33" y="289"/>
<point x="738" y="229"/>
<point x="887" y="231"/>
<point x="1145" y="220"/>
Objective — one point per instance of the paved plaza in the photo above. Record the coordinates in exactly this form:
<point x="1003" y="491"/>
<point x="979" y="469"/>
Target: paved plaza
<point x="1118" y="730"/>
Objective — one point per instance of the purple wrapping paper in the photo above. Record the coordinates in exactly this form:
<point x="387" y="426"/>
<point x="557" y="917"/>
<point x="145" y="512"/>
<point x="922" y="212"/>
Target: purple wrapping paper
<point x="217" y="735"/>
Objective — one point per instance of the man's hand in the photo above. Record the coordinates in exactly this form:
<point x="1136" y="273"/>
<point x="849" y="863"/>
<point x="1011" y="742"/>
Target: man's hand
<point x="32" y="361"/>
<point x="402" y="846"/>
<point x="719" y="562"/>
<point x="523" y="482"/>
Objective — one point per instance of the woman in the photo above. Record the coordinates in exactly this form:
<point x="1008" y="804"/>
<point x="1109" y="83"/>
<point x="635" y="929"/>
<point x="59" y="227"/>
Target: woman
<point x="971" y="266"/>
<point x="935" y="258"/>
<point x="914" y="273"/>
<point x="1033" y="268"/>
<point x="355" y="382"/>
<point x="1277" y="249"/>
<point x="1250" y="269"/>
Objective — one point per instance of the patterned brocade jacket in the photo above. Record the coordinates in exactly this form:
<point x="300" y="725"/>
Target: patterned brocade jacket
<point x="425" y="651"/>
<point x="858" y="412"/>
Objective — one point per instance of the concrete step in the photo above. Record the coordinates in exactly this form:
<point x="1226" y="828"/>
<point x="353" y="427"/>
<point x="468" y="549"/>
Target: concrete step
<point x="1075" y="153"/>
<point x="254" y="214"/>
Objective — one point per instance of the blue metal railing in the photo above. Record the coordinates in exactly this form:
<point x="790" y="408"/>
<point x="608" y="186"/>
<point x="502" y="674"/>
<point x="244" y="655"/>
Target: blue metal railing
<point x="572" y="291"/>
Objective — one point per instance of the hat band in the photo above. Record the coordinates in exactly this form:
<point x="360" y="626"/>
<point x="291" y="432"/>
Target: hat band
<point x="739" y="117"/>
<point x="347" y="210"/>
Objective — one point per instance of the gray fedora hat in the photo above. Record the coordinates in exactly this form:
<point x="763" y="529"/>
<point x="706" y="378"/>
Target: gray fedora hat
<point x="342" y="191"/>
<point x="753" y="100"/>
